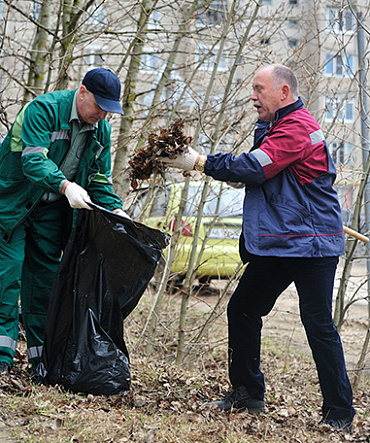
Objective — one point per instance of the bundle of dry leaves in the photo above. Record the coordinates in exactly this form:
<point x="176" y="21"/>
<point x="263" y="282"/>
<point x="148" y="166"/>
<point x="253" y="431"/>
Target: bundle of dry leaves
<point x="164" y="143"/>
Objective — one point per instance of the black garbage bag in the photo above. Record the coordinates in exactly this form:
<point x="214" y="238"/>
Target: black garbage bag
<point x="105" y="269"/>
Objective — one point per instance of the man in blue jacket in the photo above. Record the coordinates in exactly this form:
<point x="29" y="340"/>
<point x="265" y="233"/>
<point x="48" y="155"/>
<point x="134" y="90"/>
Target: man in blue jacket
<point x="292" y="233"/>
<point x="55" y="157"/>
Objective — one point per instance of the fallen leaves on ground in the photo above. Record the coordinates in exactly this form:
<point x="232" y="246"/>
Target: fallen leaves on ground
<point x="166" y="404"/>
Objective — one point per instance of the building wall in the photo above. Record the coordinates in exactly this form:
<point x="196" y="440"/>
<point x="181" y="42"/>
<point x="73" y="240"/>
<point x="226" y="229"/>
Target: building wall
<point x="300" y="34"/>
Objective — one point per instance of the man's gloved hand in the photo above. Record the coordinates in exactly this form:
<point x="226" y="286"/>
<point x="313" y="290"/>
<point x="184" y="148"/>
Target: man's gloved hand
<point x="77" y="196"/>
<point x="121" y="212"/>
<point x="184" y="160"/>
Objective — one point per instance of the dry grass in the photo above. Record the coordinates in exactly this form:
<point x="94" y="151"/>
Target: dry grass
<point x="165" y="403"/>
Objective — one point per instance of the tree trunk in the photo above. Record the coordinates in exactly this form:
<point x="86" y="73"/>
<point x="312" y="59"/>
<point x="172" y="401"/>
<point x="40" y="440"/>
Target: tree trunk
<point x="190" y="275"/>
<point x="120" y="177"/>
<point x="39" y="56"/>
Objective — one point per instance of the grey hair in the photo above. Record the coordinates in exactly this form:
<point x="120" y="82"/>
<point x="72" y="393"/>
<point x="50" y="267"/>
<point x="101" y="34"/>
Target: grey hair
<point x="283" y="74"/>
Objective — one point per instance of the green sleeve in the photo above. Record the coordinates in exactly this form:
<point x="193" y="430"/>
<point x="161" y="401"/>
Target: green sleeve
<point x="37" y="129"/>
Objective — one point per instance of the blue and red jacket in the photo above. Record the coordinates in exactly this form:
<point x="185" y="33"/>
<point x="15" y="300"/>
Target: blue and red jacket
<point x="290" y="208"/>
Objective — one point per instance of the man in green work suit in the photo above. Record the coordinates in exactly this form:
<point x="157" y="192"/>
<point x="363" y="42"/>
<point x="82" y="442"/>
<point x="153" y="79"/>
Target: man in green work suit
<point x="55" y="157"/>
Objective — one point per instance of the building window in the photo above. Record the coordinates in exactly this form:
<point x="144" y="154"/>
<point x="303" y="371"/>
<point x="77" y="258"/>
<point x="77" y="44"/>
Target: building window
<point x="207" y="57"/>
<point x="340" y="20"/>
<point x="150" y="61"/>
<point x="293" y="23"/>
<point x="35" y="9"/>
<point x="155" y="20"/>
<point x="339" y="109"/>
<point x="266" y="2"/>
<point x="93" y="56"/>
<point x="213" y="14"/>
<point x="176" y="90"/>
<point x="293" y="2"/>
<point x="293" y="42"/>
<point x="1" y="8"/>
<point x="341" y="153"/>
<point x="96" y="16"/>
<point x="148" y="96"/>
<point x="339" y="65"/>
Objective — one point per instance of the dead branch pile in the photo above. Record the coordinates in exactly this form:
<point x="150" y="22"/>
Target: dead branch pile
<point x="163" y="143"/>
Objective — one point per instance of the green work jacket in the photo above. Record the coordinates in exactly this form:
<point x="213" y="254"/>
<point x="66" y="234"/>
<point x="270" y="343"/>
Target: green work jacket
<point x="34" y="148"/>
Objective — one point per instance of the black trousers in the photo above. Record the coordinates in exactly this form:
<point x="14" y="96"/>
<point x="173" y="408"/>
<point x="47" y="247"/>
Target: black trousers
<point x="264" y="279"/>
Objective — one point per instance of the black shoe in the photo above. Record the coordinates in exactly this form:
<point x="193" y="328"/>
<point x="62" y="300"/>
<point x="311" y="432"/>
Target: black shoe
<point x="36" y="379"/>
<point x="238" y="400"/>
<point x="4" y="368"/>
<point x="344" y="424"/>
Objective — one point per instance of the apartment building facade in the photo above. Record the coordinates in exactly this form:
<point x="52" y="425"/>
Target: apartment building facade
<point x="197" y="64"/>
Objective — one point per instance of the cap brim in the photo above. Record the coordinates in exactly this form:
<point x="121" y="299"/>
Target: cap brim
<point x="108" y="105"/>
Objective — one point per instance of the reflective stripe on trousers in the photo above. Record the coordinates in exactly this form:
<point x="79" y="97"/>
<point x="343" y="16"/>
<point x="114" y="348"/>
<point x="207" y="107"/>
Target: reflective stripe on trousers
<point x="8" y="342"/>
<point x="35" y="352"/>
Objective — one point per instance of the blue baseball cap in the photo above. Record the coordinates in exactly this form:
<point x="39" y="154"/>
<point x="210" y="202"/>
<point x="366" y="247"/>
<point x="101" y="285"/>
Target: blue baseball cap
<point x="106" y="87"/>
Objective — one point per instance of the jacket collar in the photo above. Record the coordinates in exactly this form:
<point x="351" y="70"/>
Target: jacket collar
<point x="263" y="127"/>
<point x="65" y="108"/>
<point x="282" y="112"/>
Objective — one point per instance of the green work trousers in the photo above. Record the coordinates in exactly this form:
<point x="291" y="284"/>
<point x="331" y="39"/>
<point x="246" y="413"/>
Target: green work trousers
<point x="28" y="265"/>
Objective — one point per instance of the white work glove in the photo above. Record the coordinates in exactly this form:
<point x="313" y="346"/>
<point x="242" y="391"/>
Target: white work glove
<point x="121" y="212"/>
<point x="77" y="196"/>
<point x="184" y="160"/>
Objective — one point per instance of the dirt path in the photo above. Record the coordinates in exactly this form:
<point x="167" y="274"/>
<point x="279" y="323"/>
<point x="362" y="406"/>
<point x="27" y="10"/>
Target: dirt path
<point x="284" y="325"/>
<point x="5" y="434"/>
